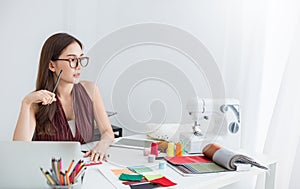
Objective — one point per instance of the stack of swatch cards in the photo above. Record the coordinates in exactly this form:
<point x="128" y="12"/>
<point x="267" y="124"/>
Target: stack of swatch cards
<point x="142" y="177"/>
<point x="187" y="165"/>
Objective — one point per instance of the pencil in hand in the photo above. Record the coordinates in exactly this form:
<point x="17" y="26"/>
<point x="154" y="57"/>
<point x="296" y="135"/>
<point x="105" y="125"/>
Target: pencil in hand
<point x="57" y="81"/>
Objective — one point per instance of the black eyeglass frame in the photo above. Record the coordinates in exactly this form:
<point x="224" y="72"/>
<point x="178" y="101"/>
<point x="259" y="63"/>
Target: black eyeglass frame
<point x="77" y="60"/>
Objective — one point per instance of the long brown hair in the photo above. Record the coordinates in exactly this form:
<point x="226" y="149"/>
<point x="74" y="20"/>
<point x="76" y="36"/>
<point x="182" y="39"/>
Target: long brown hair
<point x="51" y="50"/>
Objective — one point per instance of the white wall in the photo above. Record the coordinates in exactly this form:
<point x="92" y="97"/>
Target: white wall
<point x="24" y="27"/>
<point x="24" y="30"/>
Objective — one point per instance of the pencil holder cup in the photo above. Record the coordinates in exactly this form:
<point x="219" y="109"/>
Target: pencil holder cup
<point x="76" y="185"/>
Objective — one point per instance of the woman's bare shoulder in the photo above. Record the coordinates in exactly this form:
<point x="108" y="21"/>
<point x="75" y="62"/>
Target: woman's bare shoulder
<point x="90" y="87"/>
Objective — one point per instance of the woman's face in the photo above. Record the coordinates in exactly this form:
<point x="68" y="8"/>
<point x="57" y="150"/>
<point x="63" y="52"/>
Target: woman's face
<point x="70" y="53"/>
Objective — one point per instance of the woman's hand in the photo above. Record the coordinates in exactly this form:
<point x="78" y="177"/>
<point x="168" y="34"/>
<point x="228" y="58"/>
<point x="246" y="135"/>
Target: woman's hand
<point x="98" y="152"/>
<point x="42" y="96"/>
<point x="27" y="121"/>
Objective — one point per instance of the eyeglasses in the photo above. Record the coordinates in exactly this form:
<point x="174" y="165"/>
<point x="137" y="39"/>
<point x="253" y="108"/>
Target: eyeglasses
<point x="74" y="61"/>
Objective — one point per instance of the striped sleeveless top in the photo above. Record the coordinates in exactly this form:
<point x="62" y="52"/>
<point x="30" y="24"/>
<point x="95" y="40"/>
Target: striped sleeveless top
<point x="84" y="119"/>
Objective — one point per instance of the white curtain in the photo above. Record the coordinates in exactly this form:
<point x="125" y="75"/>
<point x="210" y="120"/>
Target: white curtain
<point x="284" y="132"/>
<point x="267" y="81"/>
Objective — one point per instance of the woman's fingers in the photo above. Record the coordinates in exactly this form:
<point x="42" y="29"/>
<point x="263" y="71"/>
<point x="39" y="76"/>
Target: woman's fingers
<point x="46" y="97"/>
<point x="87" y="154"/>
<point x="106" y="156"/>
<point x="96" y="156"/>
<point x="42" y="96"/>
<point x="93" y="154"/>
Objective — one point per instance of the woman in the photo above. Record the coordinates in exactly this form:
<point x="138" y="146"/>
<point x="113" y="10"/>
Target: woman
<point x="68" y="111"/>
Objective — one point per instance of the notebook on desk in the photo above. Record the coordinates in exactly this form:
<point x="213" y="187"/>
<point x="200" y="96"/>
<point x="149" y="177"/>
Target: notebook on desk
<point x="20" y="161"/>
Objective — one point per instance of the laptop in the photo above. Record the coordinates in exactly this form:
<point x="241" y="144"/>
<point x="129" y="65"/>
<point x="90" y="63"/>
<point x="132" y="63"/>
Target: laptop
<point x="20" y="161"/>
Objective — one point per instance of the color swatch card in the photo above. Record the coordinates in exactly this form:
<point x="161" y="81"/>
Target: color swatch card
<point x="204" y="168"/>
<point x="188" y="165"/>
<point x="118" y="172"/>
<point x="140" y="169"/>
<point x="153" y="176"/>
<point x="176" y="160"/>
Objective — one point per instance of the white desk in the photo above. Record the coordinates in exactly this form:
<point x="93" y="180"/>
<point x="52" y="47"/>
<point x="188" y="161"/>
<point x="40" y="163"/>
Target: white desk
<point x="123" y="157"/>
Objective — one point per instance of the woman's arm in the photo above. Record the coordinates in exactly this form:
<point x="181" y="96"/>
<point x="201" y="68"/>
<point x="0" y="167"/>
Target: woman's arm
<point x="26" y="122"/>
<point x="99" y="151"/>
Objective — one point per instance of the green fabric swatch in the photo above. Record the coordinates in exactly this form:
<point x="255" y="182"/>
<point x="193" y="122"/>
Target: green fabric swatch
<point x="130" y="177"/>
<point x="152" y="177"/>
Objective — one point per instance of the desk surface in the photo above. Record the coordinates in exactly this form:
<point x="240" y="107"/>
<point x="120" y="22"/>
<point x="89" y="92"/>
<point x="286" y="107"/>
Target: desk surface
<point x="101" y="175"/>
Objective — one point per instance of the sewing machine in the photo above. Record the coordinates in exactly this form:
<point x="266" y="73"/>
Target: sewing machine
<point x="215" y="121"/>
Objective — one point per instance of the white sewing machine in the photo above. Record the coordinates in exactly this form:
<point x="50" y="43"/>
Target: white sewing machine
<point x="215" y="121"/>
